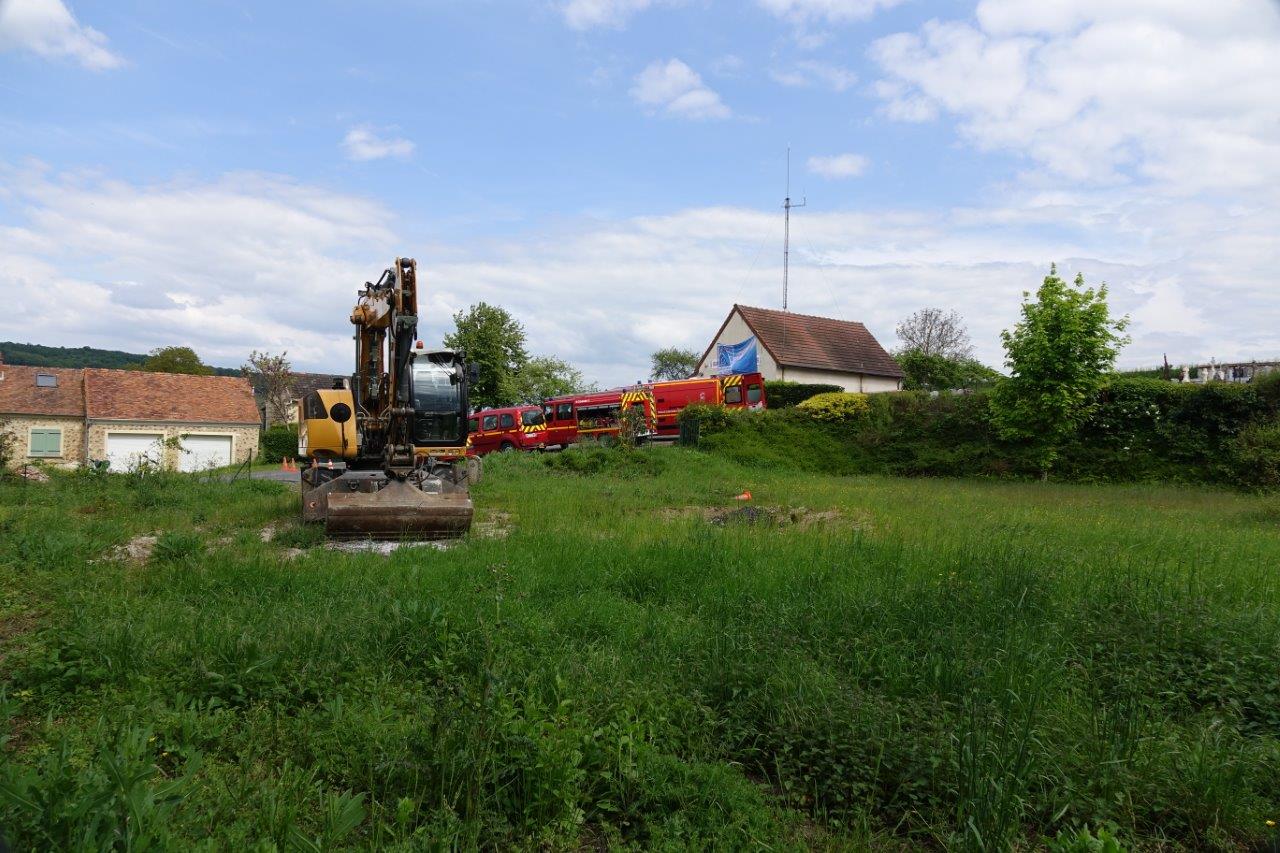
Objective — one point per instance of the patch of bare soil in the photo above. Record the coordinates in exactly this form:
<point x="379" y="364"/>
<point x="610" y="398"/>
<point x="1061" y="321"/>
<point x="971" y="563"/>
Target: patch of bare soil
<point x="378" y="546"/>
<point x="769" y="516"/>
<point x="496" y="525"/>
<point x="267" y="533"/>
<point x="136" y="550"/>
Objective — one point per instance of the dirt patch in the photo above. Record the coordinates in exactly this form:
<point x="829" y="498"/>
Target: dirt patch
<point x="770" y="516"/>
<point x="267" y="533"/>
<point x="14" y="624"/>
<point x="33" y="474"/>
<point x="381" y="546"/>
<point x="496" y="525"/>
<point x="136" y="550"/>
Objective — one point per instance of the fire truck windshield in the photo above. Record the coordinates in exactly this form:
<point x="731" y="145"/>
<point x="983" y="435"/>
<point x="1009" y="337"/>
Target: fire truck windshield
<point x="532" y="419"/>
<point x="437" y="403"/>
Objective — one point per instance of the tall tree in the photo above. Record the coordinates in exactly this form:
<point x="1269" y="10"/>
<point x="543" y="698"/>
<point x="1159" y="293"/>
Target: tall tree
<point x="493" y="341"/>
<point x="545" y="377"/>
<point x="673" y="363"/>
<point x="175" y="360"/>
<point x="932" y="331"/>
<point x="272" y="377"/>
<point x="1057" y="356"/>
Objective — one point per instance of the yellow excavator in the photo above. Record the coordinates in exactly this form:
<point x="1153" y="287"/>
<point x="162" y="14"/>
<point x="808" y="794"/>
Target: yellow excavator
<point x="385" y="455"/>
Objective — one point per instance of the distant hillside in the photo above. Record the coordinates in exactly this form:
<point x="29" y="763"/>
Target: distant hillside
<point x="38" y="355"/>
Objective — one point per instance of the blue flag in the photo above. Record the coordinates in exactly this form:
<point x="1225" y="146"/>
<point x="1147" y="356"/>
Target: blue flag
<point x="736" y="358"/>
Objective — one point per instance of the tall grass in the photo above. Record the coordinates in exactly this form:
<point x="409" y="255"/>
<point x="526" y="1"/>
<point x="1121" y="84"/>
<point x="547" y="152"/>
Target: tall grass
<point x="936" y="663"/>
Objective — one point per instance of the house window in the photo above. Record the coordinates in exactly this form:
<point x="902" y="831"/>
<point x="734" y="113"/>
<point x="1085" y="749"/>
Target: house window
<point x="46" y="442"/>
<point x="46" y="380"/>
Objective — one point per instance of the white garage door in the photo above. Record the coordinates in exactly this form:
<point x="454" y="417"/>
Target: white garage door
<point x="126" y="450"/>
<point x="201" y="452"/>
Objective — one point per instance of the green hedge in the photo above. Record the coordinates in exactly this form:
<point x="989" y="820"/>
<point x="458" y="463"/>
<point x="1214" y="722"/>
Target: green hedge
<point x="784" y="395"/>
<point x="277" y="442"/>
<point x="1141" y="430"/>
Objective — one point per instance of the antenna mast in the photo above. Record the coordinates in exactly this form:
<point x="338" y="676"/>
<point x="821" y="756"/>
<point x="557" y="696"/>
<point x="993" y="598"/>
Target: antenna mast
<point x="786" y="230"/>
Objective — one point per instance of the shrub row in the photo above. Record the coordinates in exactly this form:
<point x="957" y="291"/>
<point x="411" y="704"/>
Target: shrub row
<point x="277" y="442"/>
<point x="1140" y="430"/>
<point x="783" y="395"/>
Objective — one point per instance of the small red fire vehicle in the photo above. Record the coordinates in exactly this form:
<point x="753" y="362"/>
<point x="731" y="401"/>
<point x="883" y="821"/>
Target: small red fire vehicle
<point x="513" y="428"/>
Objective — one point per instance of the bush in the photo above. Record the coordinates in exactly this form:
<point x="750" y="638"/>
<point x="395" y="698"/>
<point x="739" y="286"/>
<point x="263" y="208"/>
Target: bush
<point x="709" y="418"/>
<point x="836" y="407"/>
<point x="1139" y="430"/>
<point x="278" y="442"/>
<point x="780" y="394"/>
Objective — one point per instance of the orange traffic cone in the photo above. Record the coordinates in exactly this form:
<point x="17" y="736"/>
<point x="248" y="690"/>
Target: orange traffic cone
<point x="745" y="496"/>
<point x="284" y="466"/>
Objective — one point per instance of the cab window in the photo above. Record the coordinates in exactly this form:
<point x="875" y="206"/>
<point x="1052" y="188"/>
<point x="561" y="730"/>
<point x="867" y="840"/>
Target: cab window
<point x="490" y="421"/>
<point x="753" y="394"/>
<point x="507" y="422"/>
<point x="733" y="394"/>
<point x="532" y="418"/>
<point x="313" y="407"/>
<point x="473" y="424"/>
<point x="564" y="412"/>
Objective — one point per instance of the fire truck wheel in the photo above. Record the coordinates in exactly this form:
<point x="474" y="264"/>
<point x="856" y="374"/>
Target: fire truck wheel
<point x="507" y="447"/>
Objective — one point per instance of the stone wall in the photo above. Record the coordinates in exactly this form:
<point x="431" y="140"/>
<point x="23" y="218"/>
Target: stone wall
<point x="20" y="426"/>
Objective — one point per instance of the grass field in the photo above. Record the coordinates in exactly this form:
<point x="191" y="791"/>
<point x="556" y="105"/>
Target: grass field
<point x="617" y="657"/>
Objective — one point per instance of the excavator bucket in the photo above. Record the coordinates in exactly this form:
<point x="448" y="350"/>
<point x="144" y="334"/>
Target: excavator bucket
<point x="398" y="510"/>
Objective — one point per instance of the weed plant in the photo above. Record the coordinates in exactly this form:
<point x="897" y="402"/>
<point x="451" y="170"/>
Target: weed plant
<point x="930" y="663"/>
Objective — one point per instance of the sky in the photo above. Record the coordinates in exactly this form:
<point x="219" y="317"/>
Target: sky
<point x="226" y="175"/>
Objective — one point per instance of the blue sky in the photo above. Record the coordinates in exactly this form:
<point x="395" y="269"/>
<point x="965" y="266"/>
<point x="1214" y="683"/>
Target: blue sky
<point x="225" y="175"/>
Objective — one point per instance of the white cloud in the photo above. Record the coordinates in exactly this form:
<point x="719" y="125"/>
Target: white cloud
<point x="802" y="12"/>
<point x="587" y="14"/>
<point x="252" y="261"/>
<point x="247" y="261"/>
<point x="47" y="28"/>
<point x="364" y="143"/>
<point x="838" y="165"/>
<point x="677" y="90"/>
<point x="812" y="73"/>
<point x="1181" y="94"/>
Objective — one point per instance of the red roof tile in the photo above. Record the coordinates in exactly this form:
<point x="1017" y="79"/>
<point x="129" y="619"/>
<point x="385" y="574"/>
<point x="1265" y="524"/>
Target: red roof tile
<point x="19" y="394"/>
<point x="821" y="343"/>
<point x="143" y="396"/>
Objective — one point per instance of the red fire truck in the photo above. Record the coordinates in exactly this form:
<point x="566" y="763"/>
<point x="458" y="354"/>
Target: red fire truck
<point x="576" y="416"/>
<point x="573" y="417"/>
<point x="514" y="428"/>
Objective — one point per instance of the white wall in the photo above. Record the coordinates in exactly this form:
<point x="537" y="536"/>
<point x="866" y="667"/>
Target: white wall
<point x="848" y="381"/>
<point x="735" y="332"/>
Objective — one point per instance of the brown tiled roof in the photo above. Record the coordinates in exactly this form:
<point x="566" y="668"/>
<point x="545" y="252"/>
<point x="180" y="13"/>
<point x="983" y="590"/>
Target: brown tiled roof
<point x="302" y="384"/>
<point x="144" y="396"/>
<point x="19" y="394"/>
<point x="820" y="343"/>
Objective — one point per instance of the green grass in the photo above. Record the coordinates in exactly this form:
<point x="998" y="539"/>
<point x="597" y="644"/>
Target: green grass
<point x="908" y="663"/>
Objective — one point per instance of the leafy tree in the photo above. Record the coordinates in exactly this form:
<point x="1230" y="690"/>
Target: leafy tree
<point x="545" y="377"/>
<point x="272" y="376"/>
<point x="932" y="331"/>
<point x="494" y="341"/>
<point x="674" y="363"/>
<point x="936" y="372"/>
<point x="1057" y="356"/>
<point x="175" y="360"/>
